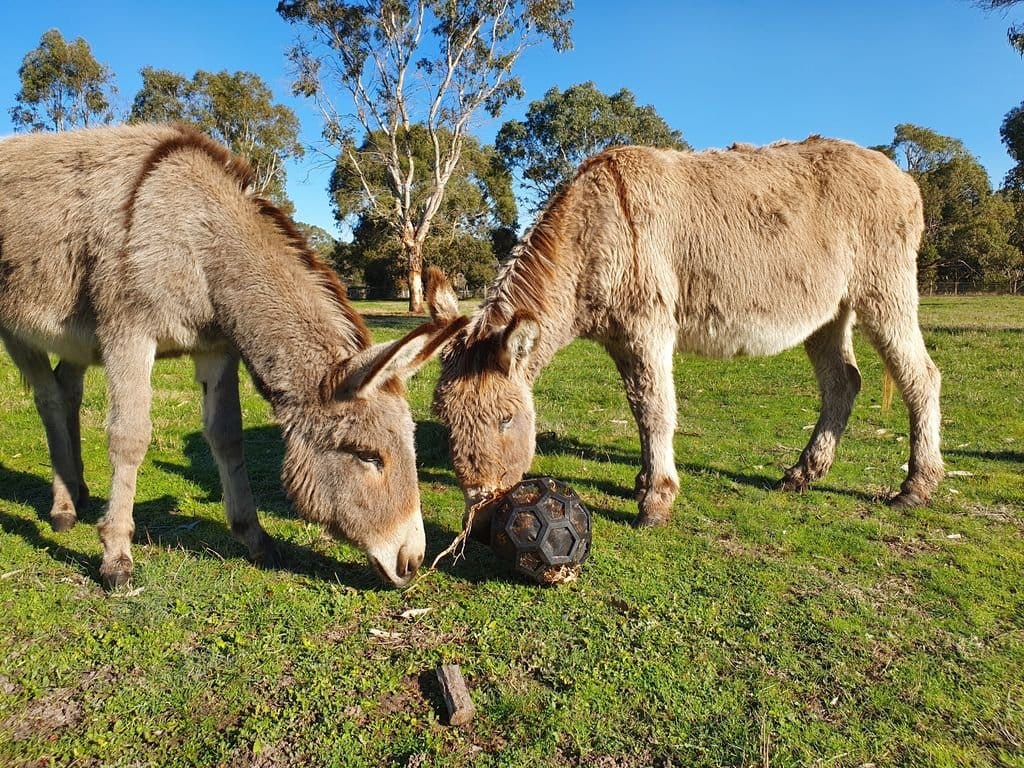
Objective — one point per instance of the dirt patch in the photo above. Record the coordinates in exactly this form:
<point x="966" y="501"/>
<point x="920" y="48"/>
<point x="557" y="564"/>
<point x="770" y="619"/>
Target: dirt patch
<point x="733" y="546"/>
<point x="409" y="696"/>
<point x="57" y="710"/>
<point x="908" y="548"/>
<point x="998" y="514"/>
<point x="270" y="756"/>
<point x="7" y="688"/>
<point x="640" y="760"/>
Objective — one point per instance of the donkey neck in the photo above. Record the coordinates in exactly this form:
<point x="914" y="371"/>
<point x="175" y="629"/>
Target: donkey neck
<point x="538" y="283"/>
<point x="288" y="322"/>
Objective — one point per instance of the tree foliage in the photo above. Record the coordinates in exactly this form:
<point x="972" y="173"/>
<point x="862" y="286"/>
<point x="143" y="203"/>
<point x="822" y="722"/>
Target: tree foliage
<point x="476" y="215"/>
<point x="237" y="109"/>
<point x="1015" y="34"/>
<point x="400" y="63"/>
<point x="62" y="87"/>
<point x="566" y="127"/>
<point x="967" y="226"/>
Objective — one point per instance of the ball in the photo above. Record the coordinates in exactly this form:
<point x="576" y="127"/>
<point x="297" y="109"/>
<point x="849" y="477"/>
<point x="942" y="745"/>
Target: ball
<point x="542" y="528"/>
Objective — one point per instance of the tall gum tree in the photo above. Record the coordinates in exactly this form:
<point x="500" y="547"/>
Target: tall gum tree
<point x="237" y="109"/>
<point x="62" y="87"/>
<point x="399" y="63"/>
<point x="566" y="127"/>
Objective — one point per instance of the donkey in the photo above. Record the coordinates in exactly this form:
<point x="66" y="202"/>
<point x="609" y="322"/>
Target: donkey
<point x="745" y="251"/>
<point x="121" y="245"/>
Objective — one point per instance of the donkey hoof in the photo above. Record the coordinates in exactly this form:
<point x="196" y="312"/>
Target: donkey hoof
<point x="650" y="520"/>
<point x="907" y="500"/>
<point x="62" y="522"/>
<point x="268" y="558"/>
<point x="117" y="574"/>
<point x="795" y="482"/>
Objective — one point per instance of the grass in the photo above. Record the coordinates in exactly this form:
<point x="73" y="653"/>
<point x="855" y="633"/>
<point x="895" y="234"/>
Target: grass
<point x="758" y="628"/>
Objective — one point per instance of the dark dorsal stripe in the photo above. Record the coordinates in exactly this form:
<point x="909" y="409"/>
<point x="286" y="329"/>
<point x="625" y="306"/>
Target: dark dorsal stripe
<point x="188" y="138"/>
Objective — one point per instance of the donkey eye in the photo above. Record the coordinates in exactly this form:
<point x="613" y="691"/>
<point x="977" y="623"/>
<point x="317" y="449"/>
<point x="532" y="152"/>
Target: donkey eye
<point x="505" y="423"/>
<point x="369" y="457"/>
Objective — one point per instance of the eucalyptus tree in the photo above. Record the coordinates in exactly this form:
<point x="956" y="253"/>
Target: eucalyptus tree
<point x="63" y="86"/>
<point x="566" y="127"/>
<point x="402" y="63"/>
<point x="967" y="226"/>
<point x="237" y="109"/>
<point x="475" y="218"/>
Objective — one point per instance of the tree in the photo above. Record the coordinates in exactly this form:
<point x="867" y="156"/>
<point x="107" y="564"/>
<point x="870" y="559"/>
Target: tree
<point x="237" y="109"/>
<point x="1014" y="34"/>
<point x="434" y="63"/>
<point x="62" y="87"/>
<point x="476" y="216"/>
<point x="966" y="226"/>
<point x="320" y="241"/>
<point x="565" y="128"/>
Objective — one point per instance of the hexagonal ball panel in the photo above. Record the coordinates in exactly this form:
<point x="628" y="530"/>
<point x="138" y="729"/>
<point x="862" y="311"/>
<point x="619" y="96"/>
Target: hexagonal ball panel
<point x="539" y="526"/>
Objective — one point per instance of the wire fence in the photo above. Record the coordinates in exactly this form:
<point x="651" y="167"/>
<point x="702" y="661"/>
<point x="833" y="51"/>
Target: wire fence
<point x="962" y="287"/>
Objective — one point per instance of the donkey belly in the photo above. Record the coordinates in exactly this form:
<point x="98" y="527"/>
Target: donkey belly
<point x="714" y="337"/>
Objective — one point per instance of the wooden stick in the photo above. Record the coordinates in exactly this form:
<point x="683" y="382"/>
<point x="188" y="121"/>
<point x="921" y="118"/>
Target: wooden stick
<point x="456" y="694"/>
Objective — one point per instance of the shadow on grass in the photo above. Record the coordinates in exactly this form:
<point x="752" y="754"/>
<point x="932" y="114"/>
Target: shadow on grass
<point x="399" y="323"/>
<point x="1011" y="456"/>
<point x="971" y="328"/>
<point x="159" y="522"/>
<point x="550" y="443"/>
<point x="432" y="446"/>
<point x="264" y="455"/>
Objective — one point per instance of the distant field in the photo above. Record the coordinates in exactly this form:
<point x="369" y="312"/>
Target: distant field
<point x="758" y="628"/>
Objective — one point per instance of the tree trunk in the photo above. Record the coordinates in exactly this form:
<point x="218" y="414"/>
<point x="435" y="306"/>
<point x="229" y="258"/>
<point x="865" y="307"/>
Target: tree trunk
<point x="414" y="253"/>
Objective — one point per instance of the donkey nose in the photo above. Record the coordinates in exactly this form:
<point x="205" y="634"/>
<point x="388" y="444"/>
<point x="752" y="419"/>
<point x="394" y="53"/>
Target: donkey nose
<point x="475" y="494"/>
<point x="399" y="557"/>
<point x="408" y="562"/>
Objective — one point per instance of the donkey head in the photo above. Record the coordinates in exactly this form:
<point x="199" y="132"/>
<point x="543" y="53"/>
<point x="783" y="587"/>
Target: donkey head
<point x="484" y="396"/>
<point x="350" y="462"/>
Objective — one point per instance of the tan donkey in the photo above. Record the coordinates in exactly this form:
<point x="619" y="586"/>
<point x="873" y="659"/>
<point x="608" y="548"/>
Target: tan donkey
<point x="747" y="251"/>
<point x="121" y="245"/>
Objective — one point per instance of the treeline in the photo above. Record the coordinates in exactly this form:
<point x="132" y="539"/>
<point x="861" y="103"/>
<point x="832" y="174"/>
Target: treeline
<point x="414" y="186"/>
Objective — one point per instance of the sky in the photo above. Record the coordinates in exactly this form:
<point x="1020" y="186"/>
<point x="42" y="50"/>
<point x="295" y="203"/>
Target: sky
<point x="718" y="70"/>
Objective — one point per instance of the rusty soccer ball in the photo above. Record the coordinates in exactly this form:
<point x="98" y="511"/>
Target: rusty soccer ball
<point x="542" y="528"/>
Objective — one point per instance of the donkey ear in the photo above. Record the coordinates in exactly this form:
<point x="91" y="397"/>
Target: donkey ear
<point x="441" y="298"/>
<point x="517" y="342"/>
<point x="366" y="372"/>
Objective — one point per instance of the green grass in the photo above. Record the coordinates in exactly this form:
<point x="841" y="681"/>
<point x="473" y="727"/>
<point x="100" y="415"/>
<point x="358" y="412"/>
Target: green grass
<point x="758" y="628"/>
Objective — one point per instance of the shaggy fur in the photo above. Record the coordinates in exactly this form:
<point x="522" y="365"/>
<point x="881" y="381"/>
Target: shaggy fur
<point x="124" y="244"/>
<point x="746" y="251"/>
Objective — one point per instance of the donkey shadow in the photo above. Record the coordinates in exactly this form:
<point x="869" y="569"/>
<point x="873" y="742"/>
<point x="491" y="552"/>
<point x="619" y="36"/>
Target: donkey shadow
<point x="400" y="323"/>
<point x="1014" y="457"/>
<point x="159" y="522"/>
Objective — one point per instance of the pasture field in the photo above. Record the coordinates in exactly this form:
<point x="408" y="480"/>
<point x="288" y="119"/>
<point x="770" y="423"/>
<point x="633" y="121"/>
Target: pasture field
<point x="757" y="629"/>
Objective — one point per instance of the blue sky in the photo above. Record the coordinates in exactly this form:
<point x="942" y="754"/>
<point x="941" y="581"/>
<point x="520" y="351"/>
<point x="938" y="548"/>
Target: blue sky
<point x="718" y="70"/>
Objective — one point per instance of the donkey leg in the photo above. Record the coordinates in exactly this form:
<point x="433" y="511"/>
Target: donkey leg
<point x="646" y="370"/>
<point x="35" y="367"/>
<point x="71" y="380"/>
<point x="217" y="374"/>
<point x="901" y="346"/>
<point x="129" y="364"/>
<point x="830" y="349"/>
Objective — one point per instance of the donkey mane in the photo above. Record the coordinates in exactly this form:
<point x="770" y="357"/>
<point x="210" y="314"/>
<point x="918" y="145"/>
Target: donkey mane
<point x="187" y="137"/>
<point x="523" y="282"/>
<point x="326" y="276"/>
